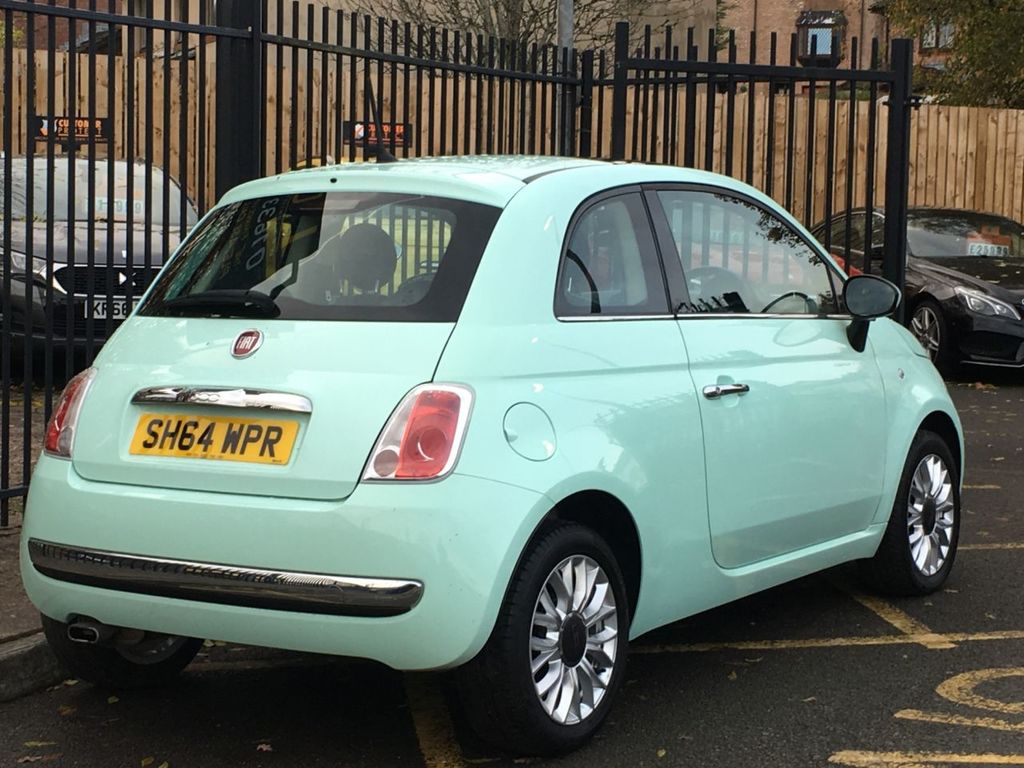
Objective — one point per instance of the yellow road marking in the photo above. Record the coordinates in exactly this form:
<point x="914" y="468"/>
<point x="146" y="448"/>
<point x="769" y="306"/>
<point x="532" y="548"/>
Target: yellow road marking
<point x="904" y="622"/>
<point x="861" y="759"/>
<point x="960" y="690"/>
<point x="945" y="719"/>
<point x="983" y="487"/>
<point x="826" y="642"/>
<point x="434" y="730"/>
<point x="1015" y="545"/>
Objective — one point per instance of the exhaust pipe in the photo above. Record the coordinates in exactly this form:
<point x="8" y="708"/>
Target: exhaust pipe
<point x="90" y="632"/>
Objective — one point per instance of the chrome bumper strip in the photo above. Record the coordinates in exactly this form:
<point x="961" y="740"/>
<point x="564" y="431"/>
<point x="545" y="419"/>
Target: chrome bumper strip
<point x="225" y="397"/>
<point x="226" y="584"/>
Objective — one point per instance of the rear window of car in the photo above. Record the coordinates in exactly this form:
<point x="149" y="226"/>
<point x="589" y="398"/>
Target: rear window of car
<point x="946" y="234"/>
<point x="331" y="256"/>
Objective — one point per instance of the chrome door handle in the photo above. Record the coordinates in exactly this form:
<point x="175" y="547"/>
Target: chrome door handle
<point x="716" y="391"/>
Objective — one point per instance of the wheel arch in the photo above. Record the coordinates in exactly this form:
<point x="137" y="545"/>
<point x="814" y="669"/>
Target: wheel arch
<point x="613" y="522"/>
<point x="942" y="425"/>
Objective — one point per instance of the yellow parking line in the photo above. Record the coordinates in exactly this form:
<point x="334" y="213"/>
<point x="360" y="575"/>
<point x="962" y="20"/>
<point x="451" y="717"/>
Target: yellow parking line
<point x="826" y="642"/>
<point x="861" y="759"/>
<point x="983" y="487"/>
<point x="901" y="620"/>
<point x="1014" y="545"/>
<point x="434" y="730"/>
<point x="942" y="718"/>
<point x="961" y="689"/>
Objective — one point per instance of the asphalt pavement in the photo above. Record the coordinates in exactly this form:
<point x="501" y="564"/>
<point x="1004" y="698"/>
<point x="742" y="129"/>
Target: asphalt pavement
<point x="814" y="673"/>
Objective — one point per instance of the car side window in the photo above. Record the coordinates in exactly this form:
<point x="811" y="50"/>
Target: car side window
<point x="855" y="224"/>
<point x="739" y="258"/>
<point x="610" y="265"/>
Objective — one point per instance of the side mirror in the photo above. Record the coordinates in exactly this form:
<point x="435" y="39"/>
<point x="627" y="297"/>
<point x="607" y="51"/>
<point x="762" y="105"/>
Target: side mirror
<point x="867" y="297"/>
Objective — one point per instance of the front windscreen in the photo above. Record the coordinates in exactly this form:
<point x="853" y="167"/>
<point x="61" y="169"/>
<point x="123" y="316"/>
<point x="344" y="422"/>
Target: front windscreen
<point x="329" y="256"/>
<point x="89" y="194"/>
<point x="951" y="234"/>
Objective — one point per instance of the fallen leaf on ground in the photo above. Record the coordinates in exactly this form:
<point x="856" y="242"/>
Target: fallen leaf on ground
<point x="34" y="744"/>
<point x="264" y="748"/>
<point x="662" y="752"/>
<point x="64" y="710"/>
<point x="70" y="681"/>
<point x="148" y="761"/>
<point x="733" y="675"/>
<point x="30" y="759"/>
<point x="112" y="700"/>
<point x="809" y="699"/>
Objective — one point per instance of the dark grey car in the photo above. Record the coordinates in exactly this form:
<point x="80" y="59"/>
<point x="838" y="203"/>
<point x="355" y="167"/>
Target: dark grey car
<point x="84" y="241"/>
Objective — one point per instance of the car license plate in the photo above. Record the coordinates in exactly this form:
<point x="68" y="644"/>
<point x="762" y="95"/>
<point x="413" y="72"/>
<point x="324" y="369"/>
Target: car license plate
<point x="261" y="441"/>
<point x="119" y="308"/>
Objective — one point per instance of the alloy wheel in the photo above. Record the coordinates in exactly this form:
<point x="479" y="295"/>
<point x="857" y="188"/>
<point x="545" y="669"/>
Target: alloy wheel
<point x="931" y="515"/>
<point x="574" y="642"/>
<point x="926" y="329"/>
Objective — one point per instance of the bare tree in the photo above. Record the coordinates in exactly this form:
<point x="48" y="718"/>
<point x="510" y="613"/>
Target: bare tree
<point x="524" y="21"/>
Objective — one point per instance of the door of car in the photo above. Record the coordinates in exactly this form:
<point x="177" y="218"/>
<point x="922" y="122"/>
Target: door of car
<point x="793" y="417"/>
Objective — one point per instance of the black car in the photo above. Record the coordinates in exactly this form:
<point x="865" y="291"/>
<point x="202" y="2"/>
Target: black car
<point x="964" y="280"/>
<point x="91" y="251"/>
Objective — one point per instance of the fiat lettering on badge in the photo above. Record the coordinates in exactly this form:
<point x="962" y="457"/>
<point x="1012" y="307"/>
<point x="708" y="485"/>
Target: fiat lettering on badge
<point x="261" y="441"/>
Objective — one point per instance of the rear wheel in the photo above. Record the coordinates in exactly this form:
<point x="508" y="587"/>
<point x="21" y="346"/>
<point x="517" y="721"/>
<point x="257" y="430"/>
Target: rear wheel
<point x="548" y="675"/>
<point x="132" y="659"/>
<point x="917" y="551"/>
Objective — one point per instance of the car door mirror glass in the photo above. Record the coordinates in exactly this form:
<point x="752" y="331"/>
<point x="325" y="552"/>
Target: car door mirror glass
<point x="869" y="296"/>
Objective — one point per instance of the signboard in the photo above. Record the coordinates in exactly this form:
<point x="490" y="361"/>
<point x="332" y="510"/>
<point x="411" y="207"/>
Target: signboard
<point x="364" y="132"/>
<point x="61" y="129"/>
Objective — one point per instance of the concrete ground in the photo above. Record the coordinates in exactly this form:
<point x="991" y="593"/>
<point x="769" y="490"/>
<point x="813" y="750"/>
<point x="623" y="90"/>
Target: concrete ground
<point x="814" y="673"/>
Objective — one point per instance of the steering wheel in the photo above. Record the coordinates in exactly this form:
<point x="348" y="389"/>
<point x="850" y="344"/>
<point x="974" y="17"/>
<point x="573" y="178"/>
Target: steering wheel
<point x="809" y="304"/>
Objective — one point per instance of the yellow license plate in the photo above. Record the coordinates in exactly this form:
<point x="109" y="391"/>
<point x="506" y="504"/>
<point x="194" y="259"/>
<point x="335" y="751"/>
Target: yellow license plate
<point x="262" y="441"/>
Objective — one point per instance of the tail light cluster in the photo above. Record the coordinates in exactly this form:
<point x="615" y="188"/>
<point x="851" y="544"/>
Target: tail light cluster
<point x="421" y="440"/>
<point x="60" y="432"/>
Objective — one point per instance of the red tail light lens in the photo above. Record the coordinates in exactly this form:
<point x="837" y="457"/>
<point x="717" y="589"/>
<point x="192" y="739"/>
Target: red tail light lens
<point x="422" y="438"/>
<point x="60" y="432"/>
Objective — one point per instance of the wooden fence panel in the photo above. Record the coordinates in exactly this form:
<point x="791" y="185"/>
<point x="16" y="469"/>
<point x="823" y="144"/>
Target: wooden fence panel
<point x="960" y="157"/>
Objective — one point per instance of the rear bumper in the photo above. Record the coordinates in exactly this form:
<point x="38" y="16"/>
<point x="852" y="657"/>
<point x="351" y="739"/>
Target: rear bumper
<point x="426" y="566"/>
<point x="225" y="584"/>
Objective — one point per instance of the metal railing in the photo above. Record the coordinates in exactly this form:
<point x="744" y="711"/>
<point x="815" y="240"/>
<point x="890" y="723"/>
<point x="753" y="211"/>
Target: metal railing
<point x="120" y="129"/>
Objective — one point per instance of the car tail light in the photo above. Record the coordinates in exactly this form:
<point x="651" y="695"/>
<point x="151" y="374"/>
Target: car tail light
<point x="60" y="432"/>
<point x="423" y="436"/>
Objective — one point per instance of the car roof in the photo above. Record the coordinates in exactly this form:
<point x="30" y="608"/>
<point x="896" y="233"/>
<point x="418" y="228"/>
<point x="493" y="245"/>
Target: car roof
<point x="489" y="179"/>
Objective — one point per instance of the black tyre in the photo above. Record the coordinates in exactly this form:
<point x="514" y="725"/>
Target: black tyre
<point x="134" y="659"/>
<point x="547" y="676"/>
<point x="919" y="547"/>
<point x="929" y="326"/>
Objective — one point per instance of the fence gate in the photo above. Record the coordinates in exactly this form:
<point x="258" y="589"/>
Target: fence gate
<point x="124" y="120"/>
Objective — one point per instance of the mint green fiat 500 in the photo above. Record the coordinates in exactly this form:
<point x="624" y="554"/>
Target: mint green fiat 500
<point x="498" y="415"/>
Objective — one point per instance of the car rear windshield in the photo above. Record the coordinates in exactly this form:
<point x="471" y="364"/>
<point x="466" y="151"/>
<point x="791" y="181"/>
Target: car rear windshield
<point x="946" y="234"/>
<point x="329" y="256"/>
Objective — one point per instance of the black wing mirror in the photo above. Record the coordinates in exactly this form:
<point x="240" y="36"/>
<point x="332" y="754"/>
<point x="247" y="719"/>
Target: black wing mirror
<point x="867" y="297"/>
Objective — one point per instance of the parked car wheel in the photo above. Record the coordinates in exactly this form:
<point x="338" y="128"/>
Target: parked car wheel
<point x="134" y="659"/>
<point x="929" y="327"/>
<point x="920" y="543"/>
<point x="550" y="670"/>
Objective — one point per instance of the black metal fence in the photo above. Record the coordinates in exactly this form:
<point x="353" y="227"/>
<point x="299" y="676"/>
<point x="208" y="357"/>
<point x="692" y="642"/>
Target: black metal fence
<point x="120" y="128"/>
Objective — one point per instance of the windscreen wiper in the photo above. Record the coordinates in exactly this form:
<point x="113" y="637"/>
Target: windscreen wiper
<point x="226" y="302"/>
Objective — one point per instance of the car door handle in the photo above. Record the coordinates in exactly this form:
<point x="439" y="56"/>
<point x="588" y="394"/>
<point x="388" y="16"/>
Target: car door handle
<point x="716" y="391"/>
